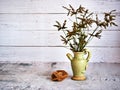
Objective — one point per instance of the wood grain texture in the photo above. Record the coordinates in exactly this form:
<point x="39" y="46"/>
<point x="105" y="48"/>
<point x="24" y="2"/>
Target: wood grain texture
<point x="54" y="6"/>
<point x="39" y="21"/>
<point x="31" y="76"/>
<point x="55" y="54"/>
<point x="27" y="32"/>
<point x="52" y="38"/>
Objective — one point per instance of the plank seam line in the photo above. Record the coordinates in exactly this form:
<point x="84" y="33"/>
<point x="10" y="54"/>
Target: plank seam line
<point x="57" y="46"/>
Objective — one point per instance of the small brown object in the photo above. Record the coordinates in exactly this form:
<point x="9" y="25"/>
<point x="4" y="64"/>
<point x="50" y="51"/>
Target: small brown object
<point x="59" y="75"/>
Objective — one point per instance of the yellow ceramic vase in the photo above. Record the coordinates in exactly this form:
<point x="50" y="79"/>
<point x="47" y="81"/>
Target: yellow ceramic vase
<point x="79" y="63"/>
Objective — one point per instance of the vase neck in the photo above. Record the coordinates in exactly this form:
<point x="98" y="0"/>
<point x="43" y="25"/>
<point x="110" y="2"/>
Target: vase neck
<point x="79" y="55"/>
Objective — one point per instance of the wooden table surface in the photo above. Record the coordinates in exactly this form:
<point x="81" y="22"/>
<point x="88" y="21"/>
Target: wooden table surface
<point x="36" y="76"/>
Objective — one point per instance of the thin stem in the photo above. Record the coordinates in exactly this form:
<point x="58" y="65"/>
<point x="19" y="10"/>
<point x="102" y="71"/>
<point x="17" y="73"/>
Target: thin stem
<point x="90" y="38"/>
<point x="65" y="36"/>
<point x="92" y="33"/>
<point x="76" y="18"/>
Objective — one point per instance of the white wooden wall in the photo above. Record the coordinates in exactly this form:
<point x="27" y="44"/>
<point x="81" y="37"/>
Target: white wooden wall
<point x="27" y="32"/>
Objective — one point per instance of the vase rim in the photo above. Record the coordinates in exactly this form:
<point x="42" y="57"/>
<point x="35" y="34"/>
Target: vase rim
<point x="78" y="52"/>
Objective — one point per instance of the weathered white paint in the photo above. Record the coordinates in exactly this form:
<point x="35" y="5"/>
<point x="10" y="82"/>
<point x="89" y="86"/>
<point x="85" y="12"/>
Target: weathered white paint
<point x="52" y="38"/>
<point x="36" y="76"/>
<point x="55" y="54"/>
<point x="27" y="32"/>
<point x="54" y="6"/>
<point x="38" y="21"/>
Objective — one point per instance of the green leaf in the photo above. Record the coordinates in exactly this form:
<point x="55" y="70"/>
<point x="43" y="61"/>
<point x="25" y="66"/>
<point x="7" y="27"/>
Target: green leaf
<point x="99" y="32"/>
<point x="56" y="26"/>
<point x="58" y="23"/>
<point x="72" y="48"/>
<point x="63" y="26"/>
<point x="72" y="8"/>
<point x="74" y="40"/>
<point x="66" y="8"/>
<point x="89" y="15"/>
<point x="112" y="23"/>
<point x="64" y="39"/>
<point x="112" y="11"/>
<point x="98" y="36"/>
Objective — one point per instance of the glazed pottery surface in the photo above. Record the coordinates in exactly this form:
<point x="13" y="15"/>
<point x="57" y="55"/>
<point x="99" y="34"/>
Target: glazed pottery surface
<point x="79" y="63"/>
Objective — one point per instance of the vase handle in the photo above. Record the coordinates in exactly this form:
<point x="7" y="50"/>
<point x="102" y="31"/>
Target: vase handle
<point x="89" y="55"/>
<point x="69" y="56"/>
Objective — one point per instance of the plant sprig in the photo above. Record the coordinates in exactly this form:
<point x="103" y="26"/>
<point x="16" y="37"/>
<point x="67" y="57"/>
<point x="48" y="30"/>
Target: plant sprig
<point x="78" y="37"/>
